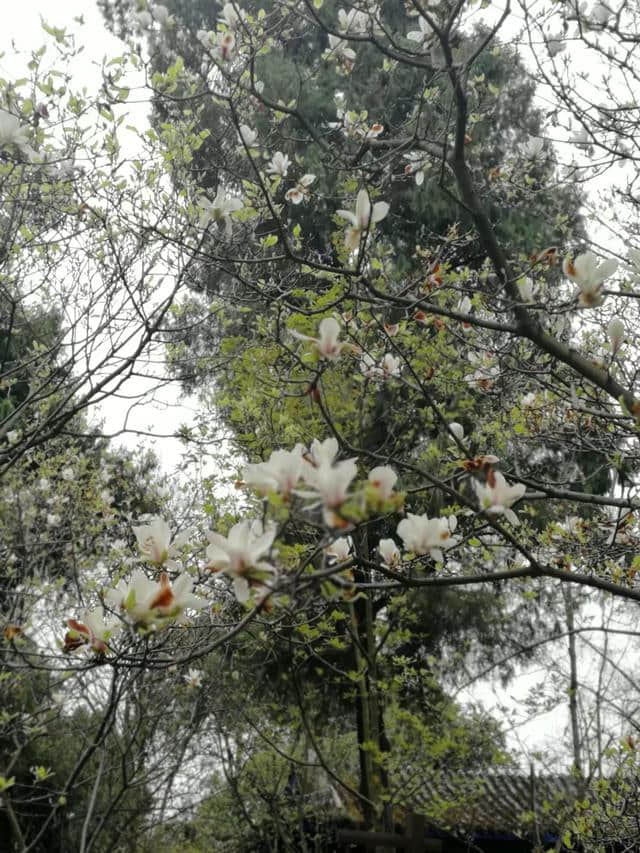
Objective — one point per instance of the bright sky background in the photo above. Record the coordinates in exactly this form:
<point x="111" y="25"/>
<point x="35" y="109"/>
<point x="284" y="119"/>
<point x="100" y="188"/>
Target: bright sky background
<point x="22" y="26"/>
<point x="22" y="33"/>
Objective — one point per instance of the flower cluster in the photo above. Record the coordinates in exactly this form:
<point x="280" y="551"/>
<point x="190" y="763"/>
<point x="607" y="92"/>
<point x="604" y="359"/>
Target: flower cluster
<point x="140" y="602"/>
<point x="423" y="535"/>
<point x="154" y="604"/>
<point x="325" y="479"/>
<point x="246" y="553"/>
<point x="390" y="366"/>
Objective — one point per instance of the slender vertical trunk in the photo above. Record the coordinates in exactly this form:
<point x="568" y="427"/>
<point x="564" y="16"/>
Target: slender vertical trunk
<point x="369" y="707"/>
<point x="363" y="718"/>
<point x="569" y="608"/>
<point x="601" y="674"/>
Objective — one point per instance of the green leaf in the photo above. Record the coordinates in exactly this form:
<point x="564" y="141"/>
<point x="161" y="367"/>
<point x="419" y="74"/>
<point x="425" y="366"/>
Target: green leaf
<point x="5" y="783"/>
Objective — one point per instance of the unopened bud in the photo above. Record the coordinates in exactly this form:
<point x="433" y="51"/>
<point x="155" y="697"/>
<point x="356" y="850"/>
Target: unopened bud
<point x="615" y="333"/>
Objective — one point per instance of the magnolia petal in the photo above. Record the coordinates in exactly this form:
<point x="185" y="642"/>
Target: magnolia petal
<point x="349" y="216"/>
<point x="241" y="588"/>
<point x="607" y="268"/>
<point x="380" y="210"/>
<point x="363" y="209"/>
<point x="510" y="515"/>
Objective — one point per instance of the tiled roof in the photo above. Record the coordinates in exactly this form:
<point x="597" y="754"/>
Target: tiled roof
<point x="508" y="804"/>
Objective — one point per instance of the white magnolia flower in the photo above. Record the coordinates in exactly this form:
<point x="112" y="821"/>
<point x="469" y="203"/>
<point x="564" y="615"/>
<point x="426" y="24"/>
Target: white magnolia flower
<point x="390" y="366"/>
<point x="421" y="35"/>
<point x="573" y="525"/>
<point x="178" y="597"/>
<point x="322" y="452"/>
<point x="365" y="215"/>
<point x="456" y="429"/>
<point x="431" y="536"/>
<point x="330" y="482"/>
<point x="339" y="49"/>
<point x="240" y="553"/>
<point x="615" y="333"/>
<point x="327" y="344"/>
<point x="339" y="550"/>
<point x="496" y="496"/>
<point x="279" y="164"/>
<point x="280" y="474"/>
<point x="589" y="276"/>
<point x="224" y="46"/>
<point x="374" y="131"/>
<point x="464" y="306"/>
<point x="354" y="21"/>
<point x="64" y="169"/>
<point x="161" y="15"/>
<point x="13" y="133"/>
<point x="383" y="479"/>
<point x="247" y="135"/>
<point x="143" y="19"/>
<point x="601" y="14"/>
<point x="92" y="629"/>
<point x="533" y="148"/>
<point x="299" y="193"/>
<point x="219" y="211"/>
<point x="526" y="286"/>
<point x="230" y="16"/>
<point x="369" y="367"/>
<point x="416" y="166"/>
<point x="154" y="541"/>
<point x="67" y="474"/>
<point x="148" y="602"/>
<point x="193" y="677"/>
<point x="555" y="44"/>
<point x="389" y="553"/>
<point x="207" y="38"/>
<point x="634" y="257"/>
<point x="486" y="370"/>
<point x="580" y="137"/>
